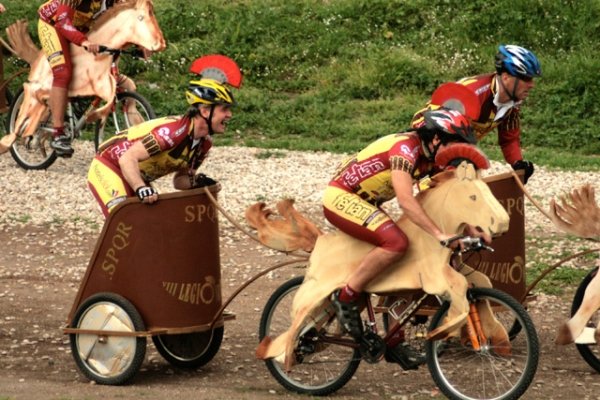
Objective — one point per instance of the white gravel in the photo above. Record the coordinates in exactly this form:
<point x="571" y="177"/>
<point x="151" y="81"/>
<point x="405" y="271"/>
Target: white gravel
<point x="247" y="175"/>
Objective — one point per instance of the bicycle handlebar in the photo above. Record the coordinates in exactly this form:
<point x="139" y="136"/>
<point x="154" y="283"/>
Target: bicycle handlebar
<point x="134" y="52"/>
<point x="469" y="243"/>
<point x="474" y="244"/>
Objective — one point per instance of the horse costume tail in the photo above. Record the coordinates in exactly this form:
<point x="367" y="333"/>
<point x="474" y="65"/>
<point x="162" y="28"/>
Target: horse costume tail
<point x="20" y="41"/>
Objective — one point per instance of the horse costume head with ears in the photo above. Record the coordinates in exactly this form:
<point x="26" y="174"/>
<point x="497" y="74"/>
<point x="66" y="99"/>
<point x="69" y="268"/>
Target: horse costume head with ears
<point x="127" y="22"/>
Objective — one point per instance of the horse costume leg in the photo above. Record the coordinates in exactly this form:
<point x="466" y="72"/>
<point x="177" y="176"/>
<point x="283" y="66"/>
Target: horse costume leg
<point x="453" y="288"/>
<point x="30" y="113"/>
<point x="570" y="330"/>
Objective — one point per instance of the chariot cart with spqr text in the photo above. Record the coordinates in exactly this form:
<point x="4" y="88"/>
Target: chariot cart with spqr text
<point x="155" y="272"/>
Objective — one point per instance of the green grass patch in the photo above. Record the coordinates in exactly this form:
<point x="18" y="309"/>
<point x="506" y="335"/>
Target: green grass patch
<point x="556" y="281"/>
<point x="333" y="76"/>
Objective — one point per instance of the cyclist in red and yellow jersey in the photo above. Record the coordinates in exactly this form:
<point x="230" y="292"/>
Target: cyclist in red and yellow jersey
<point x="385" y="169"/>
<point x="500" y="96"/>
<point x="127" y="163"/>
<point x="62" y="22"/>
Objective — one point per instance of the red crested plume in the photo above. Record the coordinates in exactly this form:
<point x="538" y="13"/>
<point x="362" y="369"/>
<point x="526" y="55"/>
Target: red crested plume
<point x="218" y="67"/>
<point x="455" y="96"/>
<point x="461" y="151"/>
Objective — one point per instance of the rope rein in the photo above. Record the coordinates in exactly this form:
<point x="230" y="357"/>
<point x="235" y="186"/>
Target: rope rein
<point x="298" y="258"/>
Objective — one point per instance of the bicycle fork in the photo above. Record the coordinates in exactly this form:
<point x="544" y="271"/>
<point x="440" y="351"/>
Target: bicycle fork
<point x="474" y="328"/>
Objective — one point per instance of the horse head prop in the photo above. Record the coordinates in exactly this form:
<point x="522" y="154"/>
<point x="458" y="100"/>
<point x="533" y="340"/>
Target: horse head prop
<point x="127" y="22"/>
<point x="579" y="214"/>
<point x="457" y="198"/>
<point x="291" y="232"/>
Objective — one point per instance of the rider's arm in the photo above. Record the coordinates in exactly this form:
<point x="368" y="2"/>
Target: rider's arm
<point x="129" y="163"/>
<point x="403" y="187"/>
<point x="63" y="23"/>
<point x="509" y="138"/>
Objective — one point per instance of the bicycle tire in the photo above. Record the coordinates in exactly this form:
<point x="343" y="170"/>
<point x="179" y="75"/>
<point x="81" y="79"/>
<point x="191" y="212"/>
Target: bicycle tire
<point x="108" y="360"/>
<point x="189" y="350"/>
<point x="119" y="119"/>
<point x="33" y="152"/>
<point x="589" y="352"/>
<point x="327" y="369"/>
<point x="463" y="373"/>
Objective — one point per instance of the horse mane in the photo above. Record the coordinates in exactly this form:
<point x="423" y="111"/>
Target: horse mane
<point x="109" y="14"/>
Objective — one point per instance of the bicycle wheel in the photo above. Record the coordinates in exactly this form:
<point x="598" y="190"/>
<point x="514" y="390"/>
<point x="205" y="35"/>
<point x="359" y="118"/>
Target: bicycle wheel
<point x="131" y="108"/>
<point x="32" y="152"/>
<point x="589" y="352"/>
<point x="108" y="360"/>
<point x="461" y="372"/>
<point x="321" y="367"/>
<point x="189" y="350"/>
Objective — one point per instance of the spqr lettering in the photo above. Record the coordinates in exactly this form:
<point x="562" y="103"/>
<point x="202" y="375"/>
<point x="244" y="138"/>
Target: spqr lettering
<point x="119" y="241"/>
<point x="512" y="205"/>
<point x="199" y="212"/>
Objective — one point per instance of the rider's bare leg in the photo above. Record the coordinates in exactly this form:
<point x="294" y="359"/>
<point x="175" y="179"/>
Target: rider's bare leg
<point x="374" y="263"/>
<point x="345" y="299"/>
<point x="58" y="106"/>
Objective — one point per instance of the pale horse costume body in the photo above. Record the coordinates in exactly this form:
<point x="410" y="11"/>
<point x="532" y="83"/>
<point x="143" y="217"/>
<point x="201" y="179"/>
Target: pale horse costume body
<point x="127" y="22"/>
<point x="459" y="197"/>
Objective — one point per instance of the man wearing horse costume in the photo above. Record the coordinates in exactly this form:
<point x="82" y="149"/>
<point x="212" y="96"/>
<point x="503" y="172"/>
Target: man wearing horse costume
<point x="370" y="252"/>
<point x="383" y="170"/>
<point x="63" y="22"/>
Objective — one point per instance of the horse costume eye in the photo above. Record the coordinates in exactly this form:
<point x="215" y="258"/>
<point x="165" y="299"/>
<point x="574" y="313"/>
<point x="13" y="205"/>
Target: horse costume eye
<point x="140" y="17"/>
<point x="473" y="197"/>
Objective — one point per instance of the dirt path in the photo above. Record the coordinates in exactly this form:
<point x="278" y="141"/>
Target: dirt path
<point x="40" y="270"/>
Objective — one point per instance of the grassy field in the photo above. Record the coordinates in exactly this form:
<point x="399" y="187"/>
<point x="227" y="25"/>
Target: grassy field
<point x="333" y="76"/>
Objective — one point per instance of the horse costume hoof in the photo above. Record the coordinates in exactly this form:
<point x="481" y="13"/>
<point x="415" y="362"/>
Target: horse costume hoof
<point x="564" y="335"/>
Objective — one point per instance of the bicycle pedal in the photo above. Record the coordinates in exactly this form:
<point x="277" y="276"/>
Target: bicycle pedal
<point x="400" y="355"/>
<point x="372" y="347"/>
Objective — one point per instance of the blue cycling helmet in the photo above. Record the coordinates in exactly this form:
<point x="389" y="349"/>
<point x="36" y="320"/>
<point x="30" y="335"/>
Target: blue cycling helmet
<point x="517" y="61"/>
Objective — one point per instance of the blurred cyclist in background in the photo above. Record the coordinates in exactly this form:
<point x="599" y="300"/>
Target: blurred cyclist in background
<point x="500" y="96"/>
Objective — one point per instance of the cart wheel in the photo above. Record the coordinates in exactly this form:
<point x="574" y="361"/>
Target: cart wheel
<point x="108" y="360"/>
<point x="189" y="350"/>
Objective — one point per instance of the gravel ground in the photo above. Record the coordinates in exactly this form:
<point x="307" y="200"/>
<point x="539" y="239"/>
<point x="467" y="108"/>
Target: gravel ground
<point x="49" y="223"/>
<point x="247" y="175"/>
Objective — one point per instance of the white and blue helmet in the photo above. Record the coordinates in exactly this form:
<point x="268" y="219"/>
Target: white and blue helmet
<point x="517" y="61"/>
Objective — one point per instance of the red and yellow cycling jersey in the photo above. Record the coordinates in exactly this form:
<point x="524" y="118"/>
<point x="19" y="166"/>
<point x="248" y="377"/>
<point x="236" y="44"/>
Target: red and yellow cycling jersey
<point x="508" y="125"/>
<point x="368" y="173"/>
<point x="169" y="142"/>
<point x="71" y="17"/>
<point x="171" y="148"/>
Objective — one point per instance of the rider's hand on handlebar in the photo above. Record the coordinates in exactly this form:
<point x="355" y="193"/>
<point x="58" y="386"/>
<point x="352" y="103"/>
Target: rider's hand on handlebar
<point x="477" y="233"/>
<point x="91" y="47"/>
<point x="463" y="244"/>
<point x="452" y="242"/>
